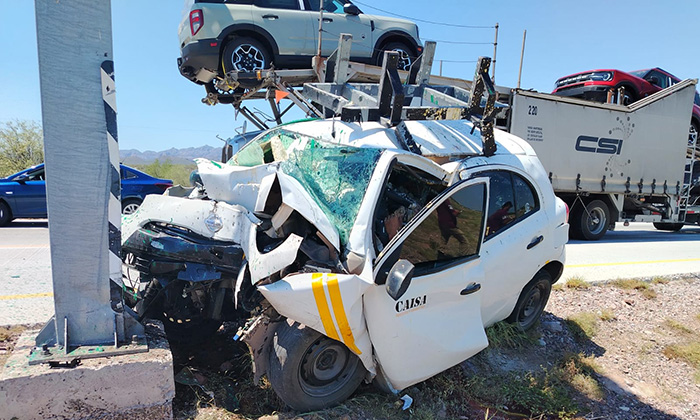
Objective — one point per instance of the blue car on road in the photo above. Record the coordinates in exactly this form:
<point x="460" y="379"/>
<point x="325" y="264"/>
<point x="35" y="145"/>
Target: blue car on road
<point x="23" y="195"/>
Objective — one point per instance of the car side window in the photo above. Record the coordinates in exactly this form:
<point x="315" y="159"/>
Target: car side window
<point x="331" y="6"/>
<point x="511" y="199"/>
<point x="278" y="4"/>
<point x="451" y="232"/>
<point x="127" y="174"/>
<point x="659" y="79"/>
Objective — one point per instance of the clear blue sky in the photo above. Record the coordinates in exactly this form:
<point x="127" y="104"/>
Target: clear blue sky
<point x="159" y="109"/>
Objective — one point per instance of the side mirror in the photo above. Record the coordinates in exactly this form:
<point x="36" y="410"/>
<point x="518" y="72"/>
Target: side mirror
<point x="351" y="9"/>
<point x="399" y="279"/>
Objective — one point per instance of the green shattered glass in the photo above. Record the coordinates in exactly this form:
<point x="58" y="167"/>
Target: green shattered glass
<point x="336" y="176"/>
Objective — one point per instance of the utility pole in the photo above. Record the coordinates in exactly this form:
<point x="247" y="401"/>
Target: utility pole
<point x="80" y="142"/>
<point x="493" y="62"/>
<point x="522" y="54"/>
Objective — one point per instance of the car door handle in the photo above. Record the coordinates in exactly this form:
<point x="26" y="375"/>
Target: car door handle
<point x="535" y="242"/>
<point x="471" y="288"/>
<point x="273" y="17"/>
<point x="327" y="20"/>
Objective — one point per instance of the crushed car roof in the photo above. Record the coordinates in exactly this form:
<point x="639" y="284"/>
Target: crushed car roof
<point x="444" y="138"/>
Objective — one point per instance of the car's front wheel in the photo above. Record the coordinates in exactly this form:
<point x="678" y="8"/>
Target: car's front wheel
<point x="406" y="55"/>
<point x="532" y="301"/>
<point x="5" y="214"/>
<point x="310" y="371"/>
<point x="245" y="54"/>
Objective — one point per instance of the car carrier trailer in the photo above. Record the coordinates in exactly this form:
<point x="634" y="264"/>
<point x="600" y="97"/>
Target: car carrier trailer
<point x="608" y="162"/>
<point x="613" y="163"/>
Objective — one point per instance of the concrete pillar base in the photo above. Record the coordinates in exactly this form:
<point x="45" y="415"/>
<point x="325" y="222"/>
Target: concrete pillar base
<point x="135" y="386"/>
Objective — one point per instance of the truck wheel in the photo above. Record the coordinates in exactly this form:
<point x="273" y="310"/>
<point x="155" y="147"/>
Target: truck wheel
<point x="5" y="214"/>
<point x="590" y="223"/>
<point x="673" y="227"/>
<point x="532" y="301"/>
<point x="310" y="371"/>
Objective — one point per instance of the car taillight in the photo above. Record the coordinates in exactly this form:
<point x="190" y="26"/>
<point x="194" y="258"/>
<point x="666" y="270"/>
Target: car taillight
<point x="163" y="185"/>
<point x="196" y="21"/>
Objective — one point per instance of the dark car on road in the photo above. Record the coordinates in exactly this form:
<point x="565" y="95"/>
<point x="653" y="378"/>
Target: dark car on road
<point x="23" y="195"/>
<point x="594" y="85"/>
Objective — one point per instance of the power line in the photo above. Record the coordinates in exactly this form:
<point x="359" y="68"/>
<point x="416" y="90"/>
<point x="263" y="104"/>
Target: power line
<point x="453" y="25"/>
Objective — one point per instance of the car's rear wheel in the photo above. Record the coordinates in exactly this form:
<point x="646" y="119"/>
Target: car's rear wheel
<point x="5" y="214"/>
<point x="130" y="206"/>
<point x="406" y="54"/>
<point x="532" y="301"/>
<point x="246" y="55"/>
<point x="310" y="371"/>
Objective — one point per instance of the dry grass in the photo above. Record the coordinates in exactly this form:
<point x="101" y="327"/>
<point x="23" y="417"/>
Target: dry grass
<point x="577" y="283"/>
<point x="660" y="280"/>
<point x="583" y="325"/>
<point x="607" y="315"/>
<point x="635" y="284"/>
<point x="677" y="326"/>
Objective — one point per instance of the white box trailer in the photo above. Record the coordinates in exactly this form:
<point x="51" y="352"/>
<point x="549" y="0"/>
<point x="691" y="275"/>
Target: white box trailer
<point x="611" y="162"/>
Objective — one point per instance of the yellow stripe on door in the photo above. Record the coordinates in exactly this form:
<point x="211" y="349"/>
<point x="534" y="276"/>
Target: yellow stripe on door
<point x="322" y="304"/>
<point x="338" y="309"/>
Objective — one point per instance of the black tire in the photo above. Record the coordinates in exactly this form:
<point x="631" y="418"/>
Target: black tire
<point x="672" y="227"/>
<point x="310" y="371"/>
<point x="246" y="55"/>
<point x="532" y="301"/>
<point x="407" y="55"/>
<point x="589" y="223"/>
<point x="5" y="214"/>
<point x="129" y="206"/>
<point x="629" y="97"/>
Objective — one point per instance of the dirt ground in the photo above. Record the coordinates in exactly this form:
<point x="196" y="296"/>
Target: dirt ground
<point x="628" y="350"/>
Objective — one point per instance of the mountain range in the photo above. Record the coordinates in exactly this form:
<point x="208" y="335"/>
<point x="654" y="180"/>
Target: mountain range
<point x="176" y="156"/>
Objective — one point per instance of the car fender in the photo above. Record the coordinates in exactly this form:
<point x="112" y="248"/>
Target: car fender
<point x="405" y="36"/>
<point x="250" y="28"/>
<point x="330" y="303"/>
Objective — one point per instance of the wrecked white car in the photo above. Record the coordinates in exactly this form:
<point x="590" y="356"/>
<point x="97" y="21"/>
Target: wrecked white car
<point x="347" y="257"/>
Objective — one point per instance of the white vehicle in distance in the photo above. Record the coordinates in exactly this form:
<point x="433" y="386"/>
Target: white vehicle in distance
<point x="347" y="258"/>
<point x="219" y="36"/>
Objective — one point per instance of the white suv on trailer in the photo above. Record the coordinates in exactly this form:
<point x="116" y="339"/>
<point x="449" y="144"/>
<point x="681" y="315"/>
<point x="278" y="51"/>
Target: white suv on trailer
<point x="218" y="36"/>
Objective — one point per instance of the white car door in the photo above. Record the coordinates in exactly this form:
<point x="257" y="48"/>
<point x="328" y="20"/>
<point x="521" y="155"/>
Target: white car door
<point x="516" y="243"/>
<point x="288" y="24"/>
<point x="336" y="22"/>
<point x="436" y="323"/>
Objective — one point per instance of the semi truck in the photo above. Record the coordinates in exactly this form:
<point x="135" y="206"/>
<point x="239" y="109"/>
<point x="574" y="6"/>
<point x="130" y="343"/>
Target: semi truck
<point x="614" y="163"/>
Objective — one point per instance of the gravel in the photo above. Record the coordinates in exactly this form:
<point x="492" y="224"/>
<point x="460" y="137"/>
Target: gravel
<point x="639" y="380"/>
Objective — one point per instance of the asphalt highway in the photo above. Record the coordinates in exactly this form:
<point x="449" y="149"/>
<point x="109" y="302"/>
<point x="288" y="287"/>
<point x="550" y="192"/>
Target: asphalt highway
<point x="638" y="250"/>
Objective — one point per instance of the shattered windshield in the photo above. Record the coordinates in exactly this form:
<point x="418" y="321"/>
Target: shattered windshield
<point x="336" y="176"/>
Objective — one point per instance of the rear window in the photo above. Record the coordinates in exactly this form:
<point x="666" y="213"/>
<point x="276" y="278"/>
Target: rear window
<point x="278" y="4"/>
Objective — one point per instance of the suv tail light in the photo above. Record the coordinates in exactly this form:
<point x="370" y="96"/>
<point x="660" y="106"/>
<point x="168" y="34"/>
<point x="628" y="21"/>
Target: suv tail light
<point x="163" y="185"/>
<point x="196" y="21"/>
